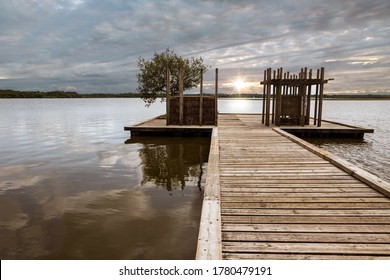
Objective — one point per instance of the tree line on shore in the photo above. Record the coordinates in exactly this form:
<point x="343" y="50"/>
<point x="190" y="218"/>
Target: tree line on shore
<point x="61" y="94"/>
<point x="66" y="94"/>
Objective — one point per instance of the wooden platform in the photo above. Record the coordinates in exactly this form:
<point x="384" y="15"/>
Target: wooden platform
<point x="327" y="129"/>
<point x="158" y="127"/>
<point x="271" y="195"/>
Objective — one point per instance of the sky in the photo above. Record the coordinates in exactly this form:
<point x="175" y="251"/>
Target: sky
<point x="92" y="46"/>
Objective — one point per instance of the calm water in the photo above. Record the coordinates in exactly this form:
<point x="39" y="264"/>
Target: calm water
<point x="373" y="152"/>
<point x="70" y="188"/>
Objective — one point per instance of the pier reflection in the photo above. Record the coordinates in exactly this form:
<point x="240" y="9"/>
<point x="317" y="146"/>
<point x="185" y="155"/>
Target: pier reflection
<point x="172" y="162"/>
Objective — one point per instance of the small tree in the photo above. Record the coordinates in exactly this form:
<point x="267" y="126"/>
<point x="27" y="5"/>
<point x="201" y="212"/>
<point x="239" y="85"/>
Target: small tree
<point x="152" y="74"/>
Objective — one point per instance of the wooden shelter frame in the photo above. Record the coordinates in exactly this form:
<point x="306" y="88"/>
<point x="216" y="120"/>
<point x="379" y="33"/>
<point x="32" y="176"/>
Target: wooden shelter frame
<point x="287" y="97"/>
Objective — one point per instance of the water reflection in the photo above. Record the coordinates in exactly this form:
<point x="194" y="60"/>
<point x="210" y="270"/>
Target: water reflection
<point x="115" y="207"/>
<point x="171" y="162"/>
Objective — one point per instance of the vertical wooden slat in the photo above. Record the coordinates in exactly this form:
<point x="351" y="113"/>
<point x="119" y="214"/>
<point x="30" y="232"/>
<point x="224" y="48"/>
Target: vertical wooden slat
<point x="308" y="99"/>
<point x="316" y="99"/>
<point x="302" y="94"/>
<point x="273" y="99"/>
<point x="321" y="97"/>
<point x="264" y="88"/>
<point x="288" y="87"/>
<point x="168" y="96"/>
<point x="181" y="97"/>
<point x="201" y="99"/>
<point x="269" y="71"/>
<point x="216" y="96"/>
<point x="278" y="97"/>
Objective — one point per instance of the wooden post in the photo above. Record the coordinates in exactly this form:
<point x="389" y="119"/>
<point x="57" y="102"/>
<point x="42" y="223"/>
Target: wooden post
<point x="308" y="99"/>
<point x="264" y="85"/>
<point x="216" y="96"/>
<point x="201" y="99"/>
<point x="278" y="97"/>
<point x="181" y="98"/>
<point x="273" y="99"/>
<point x="289" y="89"/>
<point x="168" y="96"/>
<point x="302" y="94"/>
<point x="267" y="109"/>
<point x="321" y="97"/>
<point x="316" y="99"/>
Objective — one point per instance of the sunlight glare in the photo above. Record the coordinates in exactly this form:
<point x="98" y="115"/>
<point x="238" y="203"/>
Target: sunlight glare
<point x="239" y="84"/>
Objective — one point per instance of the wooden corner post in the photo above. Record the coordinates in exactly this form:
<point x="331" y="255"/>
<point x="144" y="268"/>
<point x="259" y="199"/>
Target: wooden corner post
<point x="268" y="100"/>
<point x="322" y="81"/>
<point x="278" y="98"/>
<point x="263" y="109"/>
<point x="168" y="95"/>
<point x="201" y="99"/>
<point x="181" y="97"/>
<point x="216" y="96"/>
<point x="308" y="101"/>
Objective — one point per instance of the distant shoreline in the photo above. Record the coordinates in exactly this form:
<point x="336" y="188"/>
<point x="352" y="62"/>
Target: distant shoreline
<point x="63" y="94"/>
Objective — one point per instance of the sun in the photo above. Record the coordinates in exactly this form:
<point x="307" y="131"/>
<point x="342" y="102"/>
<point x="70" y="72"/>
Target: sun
<point x="239" y="84"/>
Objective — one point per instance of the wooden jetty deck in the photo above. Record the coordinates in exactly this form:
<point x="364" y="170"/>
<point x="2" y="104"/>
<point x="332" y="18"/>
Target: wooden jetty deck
<point x="271" y="195"/>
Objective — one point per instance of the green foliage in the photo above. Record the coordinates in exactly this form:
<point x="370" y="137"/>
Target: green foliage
<point x="152" y="74"/>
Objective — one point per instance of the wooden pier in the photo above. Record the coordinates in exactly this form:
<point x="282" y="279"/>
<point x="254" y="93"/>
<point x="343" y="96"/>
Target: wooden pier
<point x="271" y="195"/>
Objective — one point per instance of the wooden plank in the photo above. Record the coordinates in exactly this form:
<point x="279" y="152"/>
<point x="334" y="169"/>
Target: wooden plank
<point x="311" y="237"/>
<point x="310" y="194"/>
<point x="330" y="228"/>
<point x="296" y="190"/>
<point x="209" y="238"/>
<point x="295" y="184"/>
<point x="287" y="256"/>
<point x="307" y="212"/>
<point x="368" y="220"/>
<point x="290" y="205"/>
<point x="323" y="174"/>
<point x="285" y="180"/>
<point x="231" y="197"/>
<point x="307" y="248"/>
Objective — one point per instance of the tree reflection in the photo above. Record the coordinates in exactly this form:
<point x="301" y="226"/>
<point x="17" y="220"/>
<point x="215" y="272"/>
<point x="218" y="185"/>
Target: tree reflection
<point x="173" y="162"/>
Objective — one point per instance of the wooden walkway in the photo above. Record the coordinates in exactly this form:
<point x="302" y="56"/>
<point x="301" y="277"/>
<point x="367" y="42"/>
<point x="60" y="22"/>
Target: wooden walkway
<point x="278" y="200"/>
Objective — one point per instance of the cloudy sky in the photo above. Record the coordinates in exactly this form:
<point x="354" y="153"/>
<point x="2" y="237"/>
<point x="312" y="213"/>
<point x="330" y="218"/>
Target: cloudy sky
<point x="93" y="45"/>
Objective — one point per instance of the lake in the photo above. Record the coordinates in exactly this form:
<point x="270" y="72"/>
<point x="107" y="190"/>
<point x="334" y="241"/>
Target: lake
<point x="71" y="188"/>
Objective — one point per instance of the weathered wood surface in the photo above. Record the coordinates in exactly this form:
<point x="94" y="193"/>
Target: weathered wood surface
<point x="209" y="238"/>
<point x="282" y="201"/>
